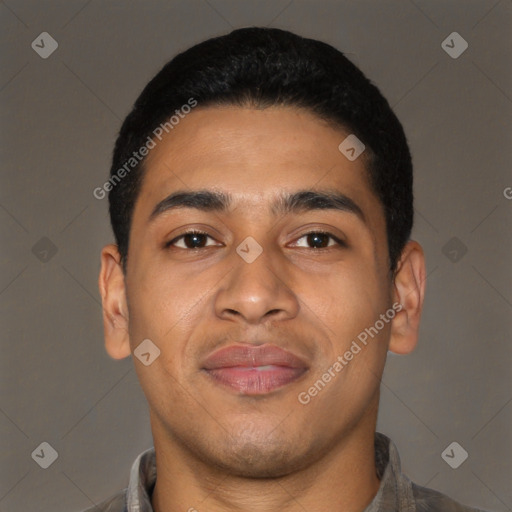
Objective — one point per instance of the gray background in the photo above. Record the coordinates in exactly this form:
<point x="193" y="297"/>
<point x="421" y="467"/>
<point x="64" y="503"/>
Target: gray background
<point x="60" y="116"/>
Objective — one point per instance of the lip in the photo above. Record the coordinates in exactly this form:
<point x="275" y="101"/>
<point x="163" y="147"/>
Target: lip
<point x="254" y="370"/>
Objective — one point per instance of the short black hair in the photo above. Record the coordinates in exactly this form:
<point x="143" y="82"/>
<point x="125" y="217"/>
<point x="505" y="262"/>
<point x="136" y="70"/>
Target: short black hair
<point x="264" y="67"/>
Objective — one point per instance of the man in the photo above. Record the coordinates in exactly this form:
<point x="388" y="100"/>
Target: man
<point x="261" y="199"/>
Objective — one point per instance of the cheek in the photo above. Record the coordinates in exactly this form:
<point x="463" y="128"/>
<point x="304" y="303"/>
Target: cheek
<point x="350" y="299"/>
<point x="161" y="304"/>
<point x="162" y="309"/>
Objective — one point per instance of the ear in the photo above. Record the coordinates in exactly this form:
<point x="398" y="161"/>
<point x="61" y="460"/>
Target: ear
<point x="408" y="291"/>
<point x="113" y="297"/>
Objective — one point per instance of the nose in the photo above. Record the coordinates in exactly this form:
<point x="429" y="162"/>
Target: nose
<point x="256" y="292"/>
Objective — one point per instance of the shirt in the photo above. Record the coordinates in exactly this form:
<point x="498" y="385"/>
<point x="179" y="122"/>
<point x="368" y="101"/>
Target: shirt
<point x="396" y="492"/>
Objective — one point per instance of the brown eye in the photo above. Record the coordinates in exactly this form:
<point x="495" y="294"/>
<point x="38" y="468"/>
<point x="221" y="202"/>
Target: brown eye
<point x="190" y="240"/>
<point x="320" y="240"/>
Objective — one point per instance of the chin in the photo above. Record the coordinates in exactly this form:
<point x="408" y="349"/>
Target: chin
<point x="262" y="459"/>
<point x="254" y="462"/>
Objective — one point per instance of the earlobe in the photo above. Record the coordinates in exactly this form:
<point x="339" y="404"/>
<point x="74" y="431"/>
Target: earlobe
<point x="409" y="292"/>
<point x="113" y="296"/>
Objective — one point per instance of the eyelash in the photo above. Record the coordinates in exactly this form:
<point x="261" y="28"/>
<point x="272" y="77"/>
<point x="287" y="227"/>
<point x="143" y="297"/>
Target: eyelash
<point x="339" y="242"/>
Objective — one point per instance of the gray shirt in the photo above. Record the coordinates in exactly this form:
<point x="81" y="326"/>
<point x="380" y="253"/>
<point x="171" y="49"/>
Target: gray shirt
<point x="396" y="492"/>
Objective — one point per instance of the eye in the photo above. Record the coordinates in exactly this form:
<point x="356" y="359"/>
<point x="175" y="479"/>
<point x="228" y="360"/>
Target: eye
<point x="198" y="240"/>
<point x="320" y="240"/>
<point x="190" y="240"/>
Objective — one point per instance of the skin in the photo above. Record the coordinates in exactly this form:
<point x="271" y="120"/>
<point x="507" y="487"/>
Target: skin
<point x="216" y="449"/>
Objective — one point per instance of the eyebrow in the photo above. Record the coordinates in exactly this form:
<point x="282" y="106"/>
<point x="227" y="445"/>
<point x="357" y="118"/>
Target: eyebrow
<point x="286" y="203"/>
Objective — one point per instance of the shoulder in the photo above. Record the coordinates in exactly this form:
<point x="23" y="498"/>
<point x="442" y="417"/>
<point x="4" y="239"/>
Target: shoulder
<point x="116" y="503"/>
<point x="428" y="500"/>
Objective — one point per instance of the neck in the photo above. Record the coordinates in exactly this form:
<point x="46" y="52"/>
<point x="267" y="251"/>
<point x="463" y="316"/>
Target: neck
<point x="344" y="479"/>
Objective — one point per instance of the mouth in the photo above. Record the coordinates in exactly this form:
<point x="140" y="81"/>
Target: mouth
<point x="254" y="370"/>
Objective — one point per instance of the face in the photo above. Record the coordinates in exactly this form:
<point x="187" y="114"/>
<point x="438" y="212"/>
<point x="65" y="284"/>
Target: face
<point x="252" y="312"/>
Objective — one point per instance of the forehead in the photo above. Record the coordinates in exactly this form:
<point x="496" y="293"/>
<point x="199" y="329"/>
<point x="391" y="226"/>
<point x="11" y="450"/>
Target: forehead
<point x="252" y="154"/>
